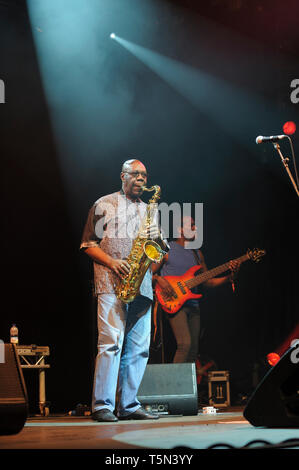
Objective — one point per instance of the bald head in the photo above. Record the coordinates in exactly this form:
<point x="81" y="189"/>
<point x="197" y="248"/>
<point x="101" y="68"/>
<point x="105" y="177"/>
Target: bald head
<point x="134" y="177"/>
<point x="128" y="163"/>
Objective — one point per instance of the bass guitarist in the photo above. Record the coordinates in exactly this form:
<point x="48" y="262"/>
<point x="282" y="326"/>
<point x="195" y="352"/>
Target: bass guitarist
<point x="185" y="323"/>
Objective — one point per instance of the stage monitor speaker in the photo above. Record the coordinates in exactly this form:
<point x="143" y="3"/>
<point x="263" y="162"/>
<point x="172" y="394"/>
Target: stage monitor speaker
<point x="275" y="402"/>
<point x="169" y="389"/>
<point x="13" y="393"/>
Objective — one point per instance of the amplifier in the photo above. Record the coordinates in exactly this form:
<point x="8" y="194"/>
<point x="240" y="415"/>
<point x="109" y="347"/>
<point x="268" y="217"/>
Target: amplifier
<point x="218" y="386"/>
<point x="13" y="393"/>
<point x="169" y="389"/>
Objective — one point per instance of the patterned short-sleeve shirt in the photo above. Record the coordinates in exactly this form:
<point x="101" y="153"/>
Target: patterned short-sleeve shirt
<point x="112" y="224"/>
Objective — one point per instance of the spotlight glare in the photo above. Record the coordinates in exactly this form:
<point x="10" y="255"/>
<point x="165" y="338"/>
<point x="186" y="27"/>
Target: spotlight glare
<point x="112" y="35"/>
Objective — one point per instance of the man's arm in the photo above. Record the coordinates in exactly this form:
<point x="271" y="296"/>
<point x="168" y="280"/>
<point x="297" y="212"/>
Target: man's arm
<point x="157" y="266"/>
<point x="218" y="281"/>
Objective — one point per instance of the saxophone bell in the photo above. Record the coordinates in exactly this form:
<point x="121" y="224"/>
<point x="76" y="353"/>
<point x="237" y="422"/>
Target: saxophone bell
<point x="153" y="251"/>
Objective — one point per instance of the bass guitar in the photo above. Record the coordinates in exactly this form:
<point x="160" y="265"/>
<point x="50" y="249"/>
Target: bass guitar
<point x="182" y="285"/>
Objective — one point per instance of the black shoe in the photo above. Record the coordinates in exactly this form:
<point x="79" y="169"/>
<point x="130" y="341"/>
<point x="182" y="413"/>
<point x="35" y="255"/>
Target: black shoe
<point x="104" y="415"/>
<point x="141" y="413"/>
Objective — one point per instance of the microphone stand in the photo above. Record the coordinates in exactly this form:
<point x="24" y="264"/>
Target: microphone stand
<point x="285" y="164"/>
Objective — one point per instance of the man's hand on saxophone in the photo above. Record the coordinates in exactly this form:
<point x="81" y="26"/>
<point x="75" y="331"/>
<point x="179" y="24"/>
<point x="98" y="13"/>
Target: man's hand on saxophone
<point x="120" y="266"/>
<point x="152" y="232"/>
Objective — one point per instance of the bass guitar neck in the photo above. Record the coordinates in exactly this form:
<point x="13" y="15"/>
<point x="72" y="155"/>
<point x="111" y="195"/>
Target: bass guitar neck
<point x="182" y="285"/>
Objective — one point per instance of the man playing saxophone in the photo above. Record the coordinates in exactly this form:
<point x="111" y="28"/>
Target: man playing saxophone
<point x="123" y="328"/>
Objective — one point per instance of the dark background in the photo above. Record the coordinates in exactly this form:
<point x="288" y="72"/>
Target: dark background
<point x="51" y="175"/>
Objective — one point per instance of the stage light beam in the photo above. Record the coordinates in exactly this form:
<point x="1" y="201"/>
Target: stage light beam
<point x="230" y="106"/>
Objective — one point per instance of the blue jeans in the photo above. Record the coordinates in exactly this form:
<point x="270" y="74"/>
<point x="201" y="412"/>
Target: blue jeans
<point x="123" y="350"/>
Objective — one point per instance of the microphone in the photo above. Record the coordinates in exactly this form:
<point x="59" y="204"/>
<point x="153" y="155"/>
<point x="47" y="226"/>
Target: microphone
<point x="272" y="138"/>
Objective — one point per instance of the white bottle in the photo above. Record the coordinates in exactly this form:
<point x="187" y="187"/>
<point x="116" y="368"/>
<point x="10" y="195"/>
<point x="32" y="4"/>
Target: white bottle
<point x="14" y="334"/>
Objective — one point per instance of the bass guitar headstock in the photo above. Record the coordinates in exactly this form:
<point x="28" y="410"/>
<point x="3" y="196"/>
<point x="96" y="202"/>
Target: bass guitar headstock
<point x="256" y="254"/>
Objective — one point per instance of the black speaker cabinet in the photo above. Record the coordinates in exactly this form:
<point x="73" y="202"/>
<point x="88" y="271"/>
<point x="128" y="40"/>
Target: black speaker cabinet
<point x="275" y="402"/>
<point x="169" y="389"/>
<point x="13" y="393"/>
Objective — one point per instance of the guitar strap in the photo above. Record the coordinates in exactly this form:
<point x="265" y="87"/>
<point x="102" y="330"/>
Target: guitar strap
<point x="155" y="319"/>
<point x="196" y="256"/>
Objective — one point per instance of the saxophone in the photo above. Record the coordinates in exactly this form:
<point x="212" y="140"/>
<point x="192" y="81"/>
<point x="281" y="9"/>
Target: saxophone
<point x="143" y="252"/>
